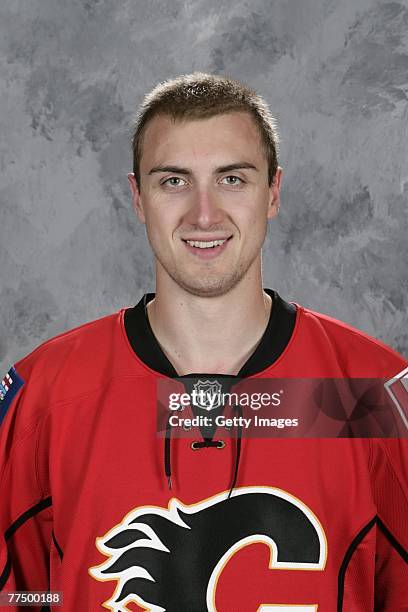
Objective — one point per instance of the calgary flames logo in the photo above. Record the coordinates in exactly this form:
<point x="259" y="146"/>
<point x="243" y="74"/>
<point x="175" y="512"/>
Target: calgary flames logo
<point x="170" y="559"/>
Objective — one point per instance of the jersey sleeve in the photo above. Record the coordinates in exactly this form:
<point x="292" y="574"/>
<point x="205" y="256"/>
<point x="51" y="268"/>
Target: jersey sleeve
<point x="390" y="487"/>
<point x="25" y="502"/>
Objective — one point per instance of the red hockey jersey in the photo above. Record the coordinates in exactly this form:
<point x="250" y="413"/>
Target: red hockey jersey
<point x="85" y="507"/>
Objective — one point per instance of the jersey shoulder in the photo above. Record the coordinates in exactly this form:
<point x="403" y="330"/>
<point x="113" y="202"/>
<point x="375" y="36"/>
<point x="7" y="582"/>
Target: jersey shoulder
<point x="84" y="335"/>
<point x="76" y="361"/>
<point x="357" y="353"/>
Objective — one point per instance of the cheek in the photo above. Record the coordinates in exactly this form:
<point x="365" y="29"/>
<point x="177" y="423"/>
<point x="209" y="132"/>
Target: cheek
<point x="160" y="226"/>
<point x="252" y="216"/>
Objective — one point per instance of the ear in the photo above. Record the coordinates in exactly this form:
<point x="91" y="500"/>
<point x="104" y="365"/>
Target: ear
<point x="274" y="194"/>
<point x="136" y="197"/>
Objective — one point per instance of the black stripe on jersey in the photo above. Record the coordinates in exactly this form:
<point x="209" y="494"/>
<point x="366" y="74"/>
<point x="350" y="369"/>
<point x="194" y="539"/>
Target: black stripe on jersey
<point x="6" y="572"/>
<point x="359" y="537"/>
<point x="343" y="568"/>
<point x="57" y="546"/>
<point x="44" y="503"/>
<point x="398" y="547"/>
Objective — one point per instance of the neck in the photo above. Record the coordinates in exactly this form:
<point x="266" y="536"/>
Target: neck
<point x="216" y="334"/>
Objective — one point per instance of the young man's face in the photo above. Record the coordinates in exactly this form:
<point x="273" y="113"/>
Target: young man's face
<point x="205" y="199"/>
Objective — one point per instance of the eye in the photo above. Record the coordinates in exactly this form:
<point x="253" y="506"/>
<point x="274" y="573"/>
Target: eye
<point x="232" y="180"/>
<point x="174" y="181"/>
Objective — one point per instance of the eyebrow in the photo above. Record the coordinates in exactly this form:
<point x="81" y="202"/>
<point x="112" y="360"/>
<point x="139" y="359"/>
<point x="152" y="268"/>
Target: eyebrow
<point x="220" y="170"/>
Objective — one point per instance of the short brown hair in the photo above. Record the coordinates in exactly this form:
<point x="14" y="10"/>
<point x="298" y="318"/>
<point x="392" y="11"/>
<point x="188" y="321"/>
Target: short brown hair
<point x="201" y="96"/>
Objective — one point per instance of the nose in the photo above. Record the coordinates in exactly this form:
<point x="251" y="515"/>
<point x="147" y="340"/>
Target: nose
<point x="205" y="211"/>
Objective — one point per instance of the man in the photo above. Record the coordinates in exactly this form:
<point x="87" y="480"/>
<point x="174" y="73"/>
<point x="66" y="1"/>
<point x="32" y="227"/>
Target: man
<point x="98" y="506"/>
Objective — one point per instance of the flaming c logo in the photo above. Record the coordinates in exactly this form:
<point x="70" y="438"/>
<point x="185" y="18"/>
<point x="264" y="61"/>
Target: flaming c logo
<point x="170" y="559"/>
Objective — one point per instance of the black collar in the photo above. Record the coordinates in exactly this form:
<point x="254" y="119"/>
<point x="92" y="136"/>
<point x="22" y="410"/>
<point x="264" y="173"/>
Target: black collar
<point x="273" y="342"/>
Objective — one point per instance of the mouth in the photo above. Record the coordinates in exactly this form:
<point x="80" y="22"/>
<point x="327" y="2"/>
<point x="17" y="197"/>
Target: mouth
<point x="207" y="249"/>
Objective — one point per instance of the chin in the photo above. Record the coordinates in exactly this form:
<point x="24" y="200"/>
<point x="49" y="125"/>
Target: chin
<point x="206" y="287"/>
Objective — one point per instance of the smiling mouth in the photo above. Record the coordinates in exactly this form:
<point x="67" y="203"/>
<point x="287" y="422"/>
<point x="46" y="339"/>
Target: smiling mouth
<point x="206" y="244"/>
<point x="206" y="250"/>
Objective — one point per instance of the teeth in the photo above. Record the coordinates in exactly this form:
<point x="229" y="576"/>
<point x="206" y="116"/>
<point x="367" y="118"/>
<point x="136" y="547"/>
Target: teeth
<point x="205" y="245"/>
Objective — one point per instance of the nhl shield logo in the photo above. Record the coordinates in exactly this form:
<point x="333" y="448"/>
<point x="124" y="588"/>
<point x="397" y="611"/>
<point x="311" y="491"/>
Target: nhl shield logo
<point x="207" y="394"/>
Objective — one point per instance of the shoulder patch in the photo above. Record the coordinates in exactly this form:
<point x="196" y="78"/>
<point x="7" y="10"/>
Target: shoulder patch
<point x="397" y="388"/>
<point x="9" y="387"/>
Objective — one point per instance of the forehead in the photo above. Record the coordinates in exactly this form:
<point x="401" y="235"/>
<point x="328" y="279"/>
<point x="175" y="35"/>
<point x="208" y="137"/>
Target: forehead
<point x="231" y="135"/>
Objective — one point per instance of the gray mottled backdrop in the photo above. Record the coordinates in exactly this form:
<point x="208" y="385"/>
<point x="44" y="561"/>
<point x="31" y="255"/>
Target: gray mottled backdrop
<point x="72" y="74"/>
